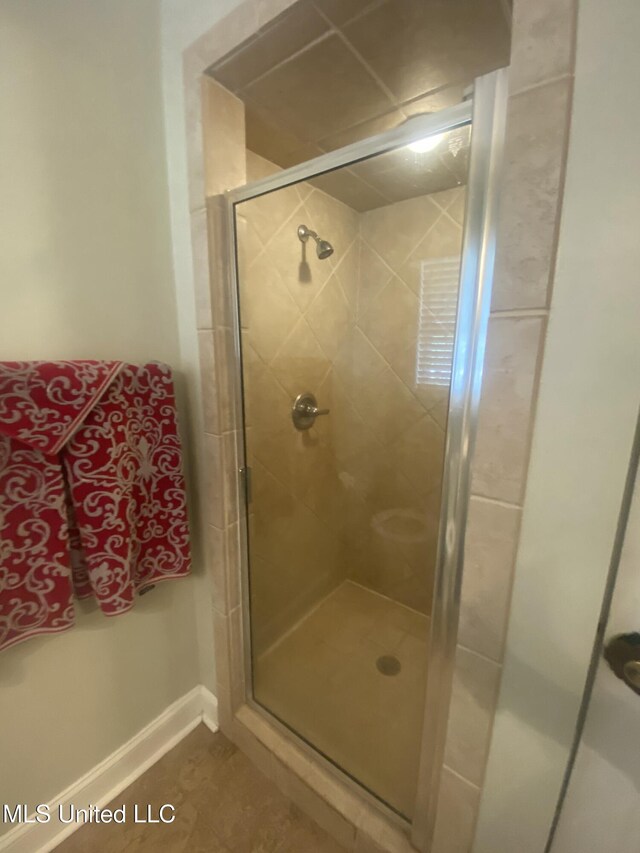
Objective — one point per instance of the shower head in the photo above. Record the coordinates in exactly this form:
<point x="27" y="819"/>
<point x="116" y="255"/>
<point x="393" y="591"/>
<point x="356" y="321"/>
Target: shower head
<point x="323" y="247"/>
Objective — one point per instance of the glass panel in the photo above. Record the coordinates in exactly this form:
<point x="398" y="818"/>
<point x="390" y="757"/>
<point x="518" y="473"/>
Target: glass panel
<point x="348" y="288"/>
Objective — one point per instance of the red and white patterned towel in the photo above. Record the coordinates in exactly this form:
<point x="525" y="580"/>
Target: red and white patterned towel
<point x="92" y="495"/>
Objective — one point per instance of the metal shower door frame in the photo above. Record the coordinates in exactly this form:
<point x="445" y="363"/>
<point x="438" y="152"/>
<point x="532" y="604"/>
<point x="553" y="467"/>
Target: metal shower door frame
<point x="474" y="300"/>
<point x="485" y="112"/>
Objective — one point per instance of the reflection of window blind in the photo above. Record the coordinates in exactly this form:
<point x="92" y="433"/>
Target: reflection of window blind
<point x="437" y="320"/>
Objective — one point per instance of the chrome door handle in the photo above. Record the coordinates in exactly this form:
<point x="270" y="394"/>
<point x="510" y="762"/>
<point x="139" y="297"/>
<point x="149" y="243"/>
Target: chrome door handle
<point x="305" y="411"/>
<point x="622" y="653"/>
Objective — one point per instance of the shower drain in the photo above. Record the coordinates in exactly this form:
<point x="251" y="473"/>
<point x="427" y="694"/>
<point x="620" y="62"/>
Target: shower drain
<point x="388" y="665"/>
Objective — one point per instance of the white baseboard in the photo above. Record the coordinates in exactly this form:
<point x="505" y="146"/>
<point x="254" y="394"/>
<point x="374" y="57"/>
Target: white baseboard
<point x="107" y="779"/>
<point x="209" y="709"/>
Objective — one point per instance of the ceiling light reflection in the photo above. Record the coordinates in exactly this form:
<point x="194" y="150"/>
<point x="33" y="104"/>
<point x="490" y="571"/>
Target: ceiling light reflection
<point x="427" y="143"/>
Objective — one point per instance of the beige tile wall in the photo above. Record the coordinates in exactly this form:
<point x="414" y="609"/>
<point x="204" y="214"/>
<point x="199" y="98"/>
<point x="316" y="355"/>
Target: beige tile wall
<point x="359" y="494"/>
<point x="397" y="469"/>
<point x="295" y="315"/>
<point x="222" y="115"/>
<point x="538" y="117"/>
<point x="537" y="127"/>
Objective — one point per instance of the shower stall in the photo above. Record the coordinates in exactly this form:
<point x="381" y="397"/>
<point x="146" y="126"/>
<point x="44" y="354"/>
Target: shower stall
<point x="359" y="329"/>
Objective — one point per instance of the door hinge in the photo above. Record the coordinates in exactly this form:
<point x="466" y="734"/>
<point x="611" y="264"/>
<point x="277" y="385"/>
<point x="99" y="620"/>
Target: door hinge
<point x="245" y="483"/>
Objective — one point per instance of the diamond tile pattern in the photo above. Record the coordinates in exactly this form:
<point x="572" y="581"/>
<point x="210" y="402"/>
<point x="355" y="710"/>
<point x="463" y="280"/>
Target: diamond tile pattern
<point x="356" y="496"/>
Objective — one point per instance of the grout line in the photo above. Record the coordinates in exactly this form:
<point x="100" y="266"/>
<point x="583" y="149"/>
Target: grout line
<point x="446" y="213"/>
<point x="294" y="326"/>
<point x="479" y="654"/>
<point x="334" y="272"/>
<point x="450" y="84"/>
<point x="519" y="312"/>
<point x="496" y="501"/>
<point x="325" y="375"/>
<point x="358" y="327"/>
<point x="333" y="199"/>
<point x="325" y="598"/>
<point x="377" y="80"/>
<point x="568" y="75"/>
<point x="343" y="38"/>
<point x="268" y="367"/>
<point x="386" y="598"/>
<point x="368" y="8"/>
<point x="462" y="778"/>
<point x="371" y="187"/>
<point x="294" y="496"/>
<point x="303" y="315"/>
<point x="362" y="180"/>
<point x="332" y="30"/>
<point x="271" y="68"/>
<point x="265" y="250"/>
<point x="353" y="312"/>
<point x="322" y="142"/>
<point x="303" y="312"/>
<point x="422" y="237"/>
<point x="390" y="367"/>
<point x="279" y="229"/>
<point x="299" y="622"/>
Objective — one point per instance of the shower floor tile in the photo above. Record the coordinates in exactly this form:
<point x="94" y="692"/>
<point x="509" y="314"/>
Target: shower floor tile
<point x="321" y="679"/>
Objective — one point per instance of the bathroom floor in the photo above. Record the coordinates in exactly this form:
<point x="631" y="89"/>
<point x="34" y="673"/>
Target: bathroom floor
<point x="223" y="805"/>
<point x="323" y="679"/>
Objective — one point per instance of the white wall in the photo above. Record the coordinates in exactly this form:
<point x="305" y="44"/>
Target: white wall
<point x="601" y="811"/>
<point x="183" y="21"/>
<point x="85" y="271"/>
<point x="587" y="409"/>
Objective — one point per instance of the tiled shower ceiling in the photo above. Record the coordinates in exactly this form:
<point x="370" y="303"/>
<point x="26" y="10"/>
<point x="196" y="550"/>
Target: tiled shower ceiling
<point x="329" y="72"/>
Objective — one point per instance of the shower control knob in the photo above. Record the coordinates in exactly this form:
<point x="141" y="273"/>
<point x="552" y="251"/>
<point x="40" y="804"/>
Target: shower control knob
<point x="305" y="411"/>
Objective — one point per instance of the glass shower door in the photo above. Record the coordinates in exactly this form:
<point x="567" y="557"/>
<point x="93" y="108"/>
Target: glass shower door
<point x="348" y="287"/>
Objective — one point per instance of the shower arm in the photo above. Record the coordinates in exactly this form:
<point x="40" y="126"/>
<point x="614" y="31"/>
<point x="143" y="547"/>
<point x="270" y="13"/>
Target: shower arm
<point x="304" y="233"/>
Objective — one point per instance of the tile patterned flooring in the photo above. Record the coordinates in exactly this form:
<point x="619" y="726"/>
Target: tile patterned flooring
<point x="223" y="805"/>
<point x="321" y="679"/>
